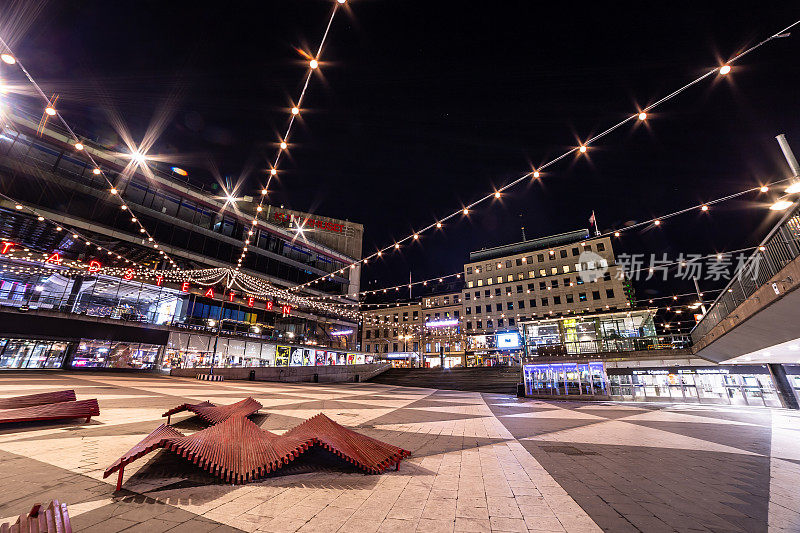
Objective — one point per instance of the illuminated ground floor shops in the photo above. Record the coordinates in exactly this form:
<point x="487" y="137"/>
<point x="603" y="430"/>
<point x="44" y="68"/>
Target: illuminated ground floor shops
<point x="728" y="385"/>
<point x="182" y="350"/>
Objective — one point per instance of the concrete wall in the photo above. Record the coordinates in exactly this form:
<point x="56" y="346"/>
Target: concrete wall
<point x="293" y="374"/>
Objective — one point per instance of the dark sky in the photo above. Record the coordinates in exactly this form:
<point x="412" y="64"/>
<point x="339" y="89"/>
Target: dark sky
<point x="424" y="105"/>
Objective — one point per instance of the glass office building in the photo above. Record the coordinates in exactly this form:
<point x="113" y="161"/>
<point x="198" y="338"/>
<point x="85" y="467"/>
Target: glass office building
<point x="44" y="172"/>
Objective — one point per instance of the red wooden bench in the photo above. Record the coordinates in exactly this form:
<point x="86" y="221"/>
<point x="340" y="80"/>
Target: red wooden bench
<point x="52" y="519"/>
<point x="215" y="414"/>
<point x="237" y="450"/>
<point x="52" y="411"/>
<point x="37" y="399"/>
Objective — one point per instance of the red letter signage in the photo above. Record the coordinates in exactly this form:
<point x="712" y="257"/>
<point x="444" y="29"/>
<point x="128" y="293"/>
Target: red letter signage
<point x="159" y="280"/>
<point x="128" y="274"/>
<point x="185" y="286"/>
<point x="286" y="309"/>
<point x="6" y="246"/>
<point x="269" y="306"/>
<point x="210" y="292"/>
<point x="55" y="258"/>
<point x="250" y="301"/>
<point x="94" y="266"/>
<point x="230" y="296"/>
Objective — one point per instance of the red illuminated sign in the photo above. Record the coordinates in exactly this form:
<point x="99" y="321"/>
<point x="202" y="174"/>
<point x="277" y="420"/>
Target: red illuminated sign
<point x="55" y="258"/>
<point x="286" y="309"/>
<point x="159" y="280"/>
<point x="231" y="295"/>
<point x="250" y="301"/>
<point x="210" y="292"/>
<point x="94" y="266"/>
<point x="309" y="223"/>
<point x="128" y="274"/>
<point x="269" y="306"/>
<point x="6" y="247"/>
<point x="185" y="286"/>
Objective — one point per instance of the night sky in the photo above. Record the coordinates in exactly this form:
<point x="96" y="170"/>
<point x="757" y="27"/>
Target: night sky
<point x="423" y="106"/>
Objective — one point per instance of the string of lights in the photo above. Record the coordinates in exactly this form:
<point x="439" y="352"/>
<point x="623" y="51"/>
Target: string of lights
<point x="657" y="221"/>
<point x="313" y="65"/>
<point x="77" y="236"/>
<point x="137" y="158"/>
<point x="641" y="115"/>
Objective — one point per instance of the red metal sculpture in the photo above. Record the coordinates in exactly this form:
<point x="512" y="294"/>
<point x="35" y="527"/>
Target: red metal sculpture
<point x="52" y="519"/>
<point x="237" y="450"/>
<point x="215" y="414"/>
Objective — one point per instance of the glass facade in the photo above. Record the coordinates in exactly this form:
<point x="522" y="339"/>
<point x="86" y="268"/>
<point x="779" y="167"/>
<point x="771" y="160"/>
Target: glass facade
<point x="565" y="379"/>
<point x="193" y="350"/>
<point x="57" y="179"/>
<point x="732" y="385"/>
<point x="589" y="334"/>
<point x="35" y="287"/>
<point x="24" y="353"/>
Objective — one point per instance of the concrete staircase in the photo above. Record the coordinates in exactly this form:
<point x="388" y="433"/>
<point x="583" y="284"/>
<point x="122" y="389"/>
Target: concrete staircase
<point x="497" y="379"/>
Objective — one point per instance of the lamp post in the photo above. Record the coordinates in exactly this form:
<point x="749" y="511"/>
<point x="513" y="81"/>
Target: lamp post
<point x="216" y="337"/>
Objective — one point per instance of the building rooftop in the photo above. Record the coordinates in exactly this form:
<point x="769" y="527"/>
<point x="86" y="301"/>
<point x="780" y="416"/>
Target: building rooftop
<point x="530" y="245"/>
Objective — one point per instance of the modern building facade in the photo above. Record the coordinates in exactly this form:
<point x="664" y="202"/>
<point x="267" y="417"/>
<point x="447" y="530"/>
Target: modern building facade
<point x="560" y="275"/>
<point x="54" y="205"/>
<point x="394" y="333"/>
<point x="443" y="337"/>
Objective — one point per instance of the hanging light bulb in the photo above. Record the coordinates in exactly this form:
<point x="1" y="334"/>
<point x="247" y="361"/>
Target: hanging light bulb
<point x="793" y="188"/>
<point x="724" y="69"/>
<point x="582" y="149"/>
<point x="96" y="171"/>
<point x="8" y="59"/>
<point x="295" y="111"/>
<point x="781" y="205"/>
<point x="79" y="146"/>
<point x="313" y="64"/>
<point x="50" y="110"/>
<point x="283" y="145"/>
<point x="642" y="116"/>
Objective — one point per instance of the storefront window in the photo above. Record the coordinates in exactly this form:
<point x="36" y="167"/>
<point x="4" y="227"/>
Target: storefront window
<point x="18" y="353"/>
<point x="114" y="354"/>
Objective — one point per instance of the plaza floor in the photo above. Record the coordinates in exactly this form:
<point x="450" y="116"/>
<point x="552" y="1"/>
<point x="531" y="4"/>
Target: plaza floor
<point x="480" y="462"/>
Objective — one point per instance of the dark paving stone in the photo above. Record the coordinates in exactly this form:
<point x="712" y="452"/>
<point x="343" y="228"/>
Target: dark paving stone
<point x="628" y="488"/>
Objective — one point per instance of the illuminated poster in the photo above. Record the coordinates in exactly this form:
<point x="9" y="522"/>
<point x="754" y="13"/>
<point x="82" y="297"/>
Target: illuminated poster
<point x="282" y="356"/>
<point x="351" y="359"/>
<point x="360" y="359"/>
<point x="296" y="358"/>
<point x="332" y="358"/>
<point x="308" y="357"/>
<point x="320" y="358"/>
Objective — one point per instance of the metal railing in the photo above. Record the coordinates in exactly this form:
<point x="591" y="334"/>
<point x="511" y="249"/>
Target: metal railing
<point x="628" y="344"/>
<point x="778" y="249"/>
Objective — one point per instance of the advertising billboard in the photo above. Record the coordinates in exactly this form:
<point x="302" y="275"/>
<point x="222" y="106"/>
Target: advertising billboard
<point x="282" y="356"/>
<point x="508" y="341"/>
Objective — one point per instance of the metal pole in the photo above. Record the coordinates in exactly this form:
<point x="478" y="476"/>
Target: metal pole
<point x="699" y="296"/>
<point x="788" y="154"/>
<point x="216" y="338"/>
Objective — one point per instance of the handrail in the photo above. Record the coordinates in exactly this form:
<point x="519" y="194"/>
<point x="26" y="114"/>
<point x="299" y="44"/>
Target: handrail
<point x="776" y="250"/>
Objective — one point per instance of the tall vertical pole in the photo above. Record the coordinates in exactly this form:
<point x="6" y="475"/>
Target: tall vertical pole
<point x="699" y="296"/>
